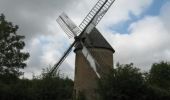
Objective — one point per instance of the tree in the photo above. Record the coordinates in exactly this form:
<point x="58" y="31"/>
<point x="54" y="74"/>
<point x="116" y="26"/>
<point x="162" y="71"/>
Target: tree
<point x="11" y="45"/>
<point x="39" y="88"/>
<point x="160" y="75"/>
<point x="124" y="83"/>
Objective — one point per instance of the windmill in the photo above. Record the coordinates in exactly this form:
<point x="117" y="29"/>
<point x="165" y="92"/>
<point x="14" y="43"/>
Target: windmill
<point x="87" y="59"/>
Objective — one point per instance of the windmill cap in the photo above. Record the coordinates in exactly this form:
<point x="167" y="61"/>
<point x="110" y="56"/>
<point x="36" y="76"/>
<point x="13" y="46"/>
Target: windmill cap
<point x="97" y="41"/>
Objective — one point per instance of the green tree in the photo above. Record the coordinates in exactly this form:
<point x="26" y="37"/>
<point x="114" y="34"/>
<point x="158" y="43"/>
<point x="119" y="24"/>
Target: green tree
<point x="11" y="44"/>
<point x="160" y="75"/>
<point x="39" y="88"/>
<point x="52" y="88"/>
<point x="124" y="83"/>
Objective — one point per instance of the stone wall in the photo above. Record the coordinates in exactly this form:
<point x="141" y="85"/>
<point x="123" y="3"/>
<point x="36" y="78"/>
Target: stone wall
<point x="85" y="78"/>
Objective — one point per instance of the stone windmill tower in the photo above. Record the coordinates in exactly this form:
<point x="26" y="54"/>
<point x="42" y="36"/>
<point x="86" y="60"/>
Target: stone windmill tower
<point x="85" y="78"/>
<point x="94" y="55"/>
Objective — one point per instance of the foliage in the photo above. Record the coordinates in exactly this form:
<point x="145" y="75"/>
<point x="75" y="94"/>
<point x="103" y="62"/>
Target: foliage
<point x="127" y="83"/>
<point x="81" y="96"/>
<point x="12" y="59"/>
<point x="122" y="84"/>
<point x="11" y="56"/>
<point x="37" y="89"/>
<point x="160" y="75"/>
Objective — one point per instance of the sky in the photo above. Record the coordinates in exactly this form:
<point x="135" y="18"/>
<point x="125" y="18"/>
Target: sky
<point x="138" y="30"/>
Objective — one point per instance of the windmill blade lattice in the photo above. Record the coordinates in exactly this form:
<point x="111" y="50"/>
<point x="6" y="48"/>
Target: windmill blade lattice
<point x="96" y="14"/>
<point x="56" y="66"/>
<point x="87" y="25"/>
<point x="68" y="25"/>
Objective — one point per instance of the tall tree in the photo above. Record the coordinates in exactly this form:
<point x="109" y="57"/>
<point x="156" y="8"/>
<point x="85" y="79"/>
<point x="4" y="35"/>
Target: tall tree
<point x="11" y="45"/>
<point x="160" y="75"/>
<point x="124" y="83"/>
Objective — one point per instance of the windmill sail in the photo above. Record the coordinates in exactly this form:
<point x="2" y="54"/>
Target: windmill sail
<point x="93" y="63"/>
<point x="55" y="67"/>
<point x="71" y="28"/>
<point x="95" y="15"/>
<point x="87" y="25"/>
<point x="67" y="25"/>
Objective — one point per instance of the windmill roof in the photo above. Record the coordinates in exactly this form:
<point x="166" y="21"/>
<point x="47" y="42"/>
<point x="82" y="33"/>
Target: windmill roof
<point x="96" y="40"/>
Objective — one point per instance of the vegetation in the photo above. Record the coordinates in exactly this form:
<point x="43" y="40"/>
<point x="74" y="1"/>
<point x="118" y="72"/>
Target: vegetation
<point x="160" y="75"/>
<point x="12" y="60"/>
<point x="54" y="88"/>
<point x="126" y="82"/>
<point x="11" y="44"/>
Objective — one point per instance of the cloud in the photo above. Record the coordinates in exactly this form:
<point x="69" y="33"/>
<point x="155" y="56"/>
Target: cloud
<point x="121" y="10"/>
<point x="147" y="41"/>
<point x="46" y="42"/>
<point x="33" y="16"/>
<point x="165" y="15"/>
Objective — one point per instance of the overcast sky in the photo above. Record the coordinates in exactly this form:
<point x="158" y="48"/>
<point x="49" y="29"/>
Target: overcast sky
<point x="138" y="30"/>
